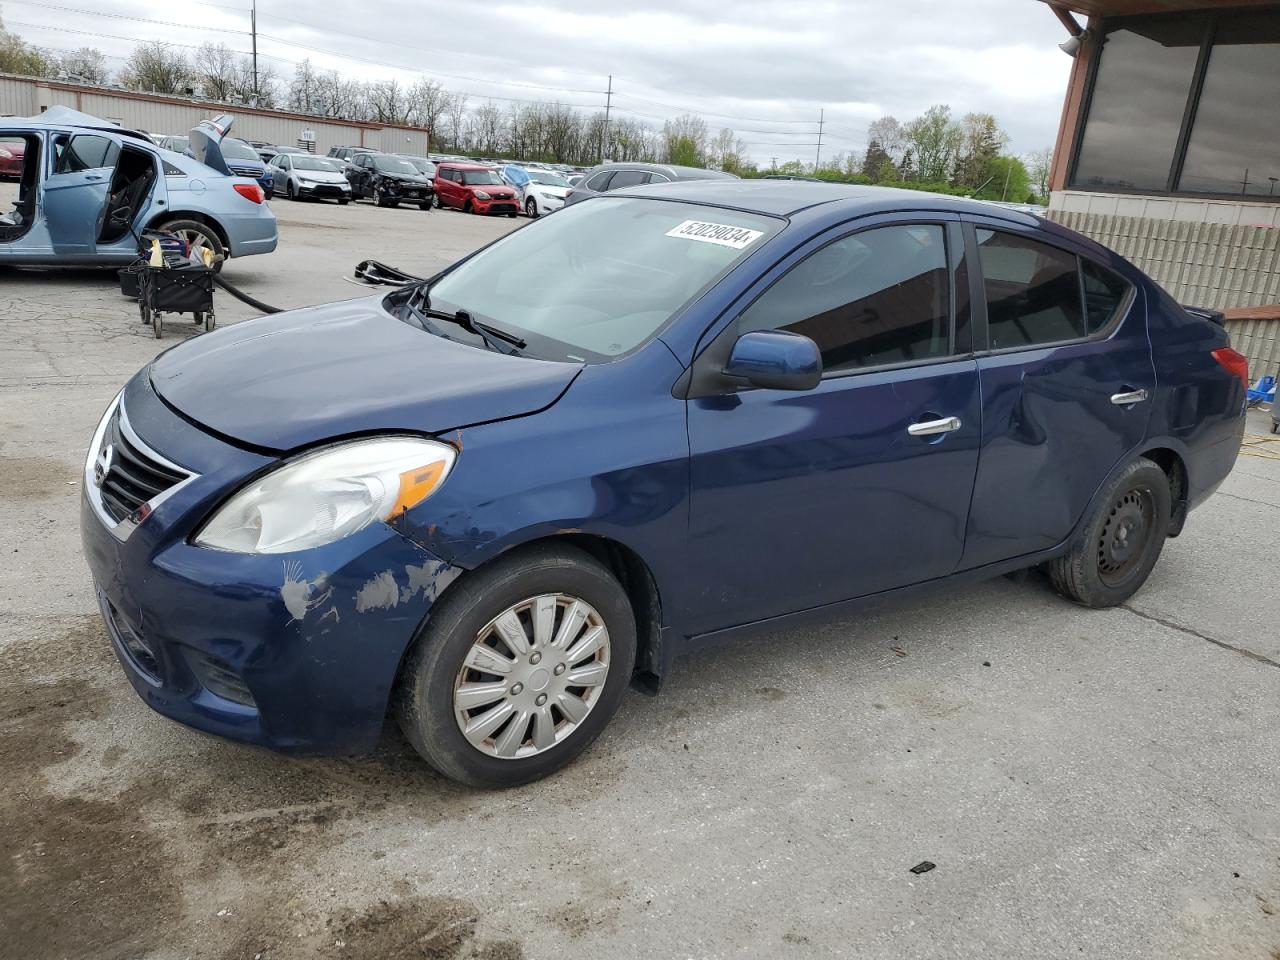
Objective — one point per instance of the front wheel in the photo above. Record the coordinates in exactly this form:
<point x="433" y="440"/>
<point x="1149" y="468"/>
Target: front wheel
<point x="1119" y="541"/>
<point x="519" y="668"/>
<point x="425" y="205"/>
<point x="531" y="208"/>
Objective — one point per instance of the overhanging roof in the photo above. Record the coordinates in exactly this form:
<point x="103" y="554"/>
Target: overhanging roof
<point x="1123" y="8"/>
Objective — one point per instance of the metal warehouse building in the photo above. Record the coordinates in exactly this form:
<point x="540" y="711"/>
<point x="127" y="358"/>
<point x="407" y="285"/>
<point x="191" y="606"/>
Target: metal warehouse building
<point x="25" y="97"/>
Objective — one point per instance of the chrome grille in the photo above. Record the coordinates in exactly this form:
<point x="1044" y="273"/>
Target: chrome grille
<point x="124" y="478"/>
<point x="130" y="478"/>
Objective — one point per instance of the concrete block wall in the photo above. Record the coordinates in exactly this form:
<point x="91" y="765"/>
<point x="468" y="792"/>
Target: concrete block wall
<point x="1217" y="265"/>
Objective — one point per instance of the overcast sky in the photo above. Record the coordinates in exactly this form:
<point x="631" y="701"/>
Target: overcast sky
<point x="754" y="66"/>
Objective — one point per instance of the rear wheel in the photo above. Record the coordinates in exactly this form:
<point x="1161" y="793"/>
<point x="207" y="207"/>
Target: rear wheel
<point x="518" y="668"/>
<point x="1120" y="540"/>
<point x="200" y="237"/>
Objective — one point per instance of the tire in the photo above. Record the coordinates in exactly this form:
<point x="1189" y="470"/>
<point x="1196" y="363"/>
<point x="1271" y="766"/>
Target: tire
<point x="425" y="205"/>
<point x="193" y="229"/>
<point x="468" y="208"/>
<point x="210" y="321"/>
<point x="157" y="325"/>
<point x="343" y="201"/>
<point x="1105" y="565"/>
<point x="289" y="191"/>
<point x="424" y="701"/>
<point x="531" y="208"/>
<point x="439" y="204"/>
<point x="512" y="215"/>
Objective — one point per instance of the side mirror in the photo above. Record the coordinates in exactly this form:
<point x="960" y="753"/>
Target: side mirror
<point x="775" y="360"/>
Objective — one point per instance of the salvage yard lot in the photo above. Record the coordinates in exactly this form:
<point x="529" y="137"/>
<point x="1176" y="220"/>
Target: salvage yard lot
<point x="1096" y="784"/>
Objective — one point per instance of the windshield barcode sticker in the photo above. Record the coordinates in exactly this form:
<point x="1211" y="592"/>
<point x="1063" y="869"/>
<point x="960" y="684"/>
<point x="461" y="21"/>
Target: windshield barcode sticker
<point x="718" y="233"/>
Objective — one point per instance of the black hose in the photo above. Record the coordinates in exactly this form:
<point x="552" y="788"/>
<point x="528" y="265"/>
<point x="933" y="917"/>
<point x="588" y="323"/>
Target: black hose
<point x="244" y="297"/>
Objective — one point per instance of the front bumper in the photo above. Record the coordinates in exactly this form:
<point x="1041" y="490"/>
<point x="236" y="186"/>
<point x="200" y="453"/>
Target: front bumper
<point x="325" y="191"/>
<point x="297" y="652"/>
<point x="498" y="205"/>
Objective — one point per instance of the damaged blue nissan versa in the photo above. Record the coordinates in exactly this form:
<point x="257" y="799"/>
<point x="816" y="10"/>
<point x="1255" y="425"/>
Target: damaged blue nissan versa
<point x="488" y="503"/>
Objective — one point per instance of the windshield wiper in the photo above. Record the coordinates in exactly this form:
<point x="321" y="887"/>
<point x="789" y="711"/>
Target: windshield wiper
<point x="420" y="302"/>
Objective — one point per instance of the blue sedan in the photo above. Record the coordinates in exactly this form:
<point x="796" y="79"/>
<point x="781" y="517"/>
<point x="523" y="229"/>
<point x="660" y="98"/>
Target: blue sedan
<point x="489" y="503"/>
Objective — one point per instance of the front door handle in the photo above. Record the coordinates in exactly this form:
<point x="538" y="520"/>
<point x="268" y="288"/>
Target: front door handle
<point x="931" y="428"/>
<point x="1131" y="396"/>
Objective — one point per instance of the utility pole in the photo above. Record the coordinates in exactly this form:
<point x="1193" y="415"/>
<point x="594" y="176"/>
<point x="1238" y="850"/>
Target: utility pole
<point x="253" y="28"/>
<point x="818" y="156"/>
<point x="608" y="104"/>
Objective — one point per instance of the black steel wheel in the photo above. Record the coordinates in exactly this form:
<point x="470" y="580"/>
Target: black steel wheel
<point x="1119" y="540"/>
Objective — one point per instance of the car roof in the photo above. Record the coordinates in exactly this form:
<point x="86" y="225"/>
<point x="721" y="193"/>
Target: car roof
<point x="668" y="169"/>
<point x="782" y="198"/>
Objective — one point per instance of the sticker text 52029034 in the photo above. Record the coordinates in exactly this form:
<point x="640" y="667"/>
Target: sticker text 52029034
<point x="721" y="234"/>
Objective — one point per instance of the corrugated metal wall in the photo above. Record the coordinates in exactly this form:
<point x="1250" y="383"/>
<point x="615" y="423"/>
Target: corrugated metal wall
<point x="168" y="115"/>
<point x="1205" y="264"/>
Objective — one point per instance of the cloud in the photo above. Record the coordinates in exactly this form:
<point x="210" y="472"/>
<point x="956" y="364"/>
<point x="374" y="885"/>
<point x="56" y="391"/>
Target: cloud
<point x="763" y="68"/>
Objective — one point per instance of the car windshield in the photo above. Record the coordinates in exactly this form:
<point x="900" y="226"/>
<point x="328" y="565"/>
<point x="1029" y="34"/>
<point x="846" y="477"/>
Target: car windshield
<point x="238" y="150"/>
<point x="179" y="144"/>
<point x="393" y="165"/>
<point x="478" y="178"/>
<point x="423" y="166"/>
<point x="311" y="163"/>
<point x="601" y="278"/>
<point x="547" y="178"/>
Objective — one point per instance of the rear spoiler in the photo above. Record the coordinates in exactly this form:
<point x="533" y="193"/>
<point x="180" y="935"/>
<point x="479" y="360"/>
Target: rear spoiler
<point x="1204" y="313"/>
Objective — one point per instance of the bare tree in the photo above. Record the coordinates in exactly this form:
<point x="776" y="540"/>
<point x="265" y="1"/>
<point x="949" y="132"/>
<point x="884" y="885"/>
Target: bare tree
<point x="1039" y="163"/>
<point x="157" y="68"/>
<point x="215" y="67"/>
<point x="888" y="133"/>
<point x="428" y="101"/>
<point x="455" y="119"/>
<point x="86" y="65"/>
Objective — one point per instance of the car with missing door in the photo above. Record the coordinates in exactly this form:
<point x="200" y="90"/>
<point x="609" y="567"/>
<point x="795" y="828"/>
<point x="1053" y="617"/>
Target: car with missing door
<point x="87" y="189"/>
<point x="487" y="504"/>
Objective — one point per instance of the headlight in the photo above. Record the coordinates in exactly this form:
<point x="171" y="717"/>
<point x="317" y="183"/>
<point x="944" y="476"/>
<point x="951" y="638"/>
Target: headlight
<point x="330" y="494"/>
<point x="481" y="195"/>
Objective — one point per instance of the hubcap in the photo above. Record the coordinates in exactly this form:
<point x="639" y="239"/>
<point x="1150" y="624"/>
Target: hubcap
<point x="532" y="675"/>
<point x="1124" y="536"/>
<point x="199" y="242"/>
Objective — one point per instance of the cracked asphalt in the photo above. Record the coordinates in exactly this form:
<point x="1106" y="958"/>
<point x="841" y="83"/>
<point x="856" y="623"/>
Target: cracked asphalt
<point x="1097" y="784"/>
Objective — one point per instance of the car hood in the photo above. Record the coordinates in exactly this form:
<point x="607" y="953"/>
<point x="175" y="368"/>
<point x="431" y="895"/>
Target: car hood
<point x="299" y="378"/>
<point x="547" y="189"/>
<point x="321" y="176"/>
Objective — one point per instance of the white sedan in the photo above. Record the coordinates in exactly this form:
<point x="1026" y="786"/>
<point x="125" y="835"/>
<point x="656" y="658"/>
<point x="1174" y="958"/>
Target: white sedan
<point x="540" y="190"/>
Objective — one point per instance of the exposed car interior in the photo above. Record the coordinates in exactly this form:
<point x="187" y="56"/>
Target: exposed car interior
<point x="20" y="163"/>
<point x="131" y="184"/>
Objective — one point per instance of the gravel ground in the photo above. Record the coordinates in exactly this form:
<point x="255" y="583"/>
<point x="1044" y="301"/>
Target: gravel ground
<point x="1096" y="784"/>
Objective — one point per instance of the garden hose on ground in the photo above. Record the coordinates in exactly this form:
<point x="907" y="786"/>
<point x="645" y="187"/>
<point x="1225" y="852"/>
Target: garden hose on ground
<point x="244" y="297"/>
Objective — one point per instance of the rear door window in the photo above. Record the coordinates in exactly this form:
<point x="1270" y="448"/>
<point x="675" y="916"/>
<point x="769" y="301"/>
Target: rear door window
<point x="881" y="296"/>
<point x="1033" y="291"/>
<point x="87" y="152"/>
<point x="599" y="181"/>
<point x="628" y="178"/>
<point x="1105" y="294"/>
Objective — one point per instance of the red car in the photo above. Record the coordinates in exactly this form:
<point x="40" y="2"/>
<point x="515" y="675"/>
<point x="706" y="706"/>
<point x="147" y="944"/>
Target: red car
<point x="12" y="153"/>
<point x="475" y="188"/>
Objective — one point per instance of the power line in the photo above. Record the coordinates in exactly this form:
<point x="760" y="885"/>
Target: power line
<point x="699" y="110"/>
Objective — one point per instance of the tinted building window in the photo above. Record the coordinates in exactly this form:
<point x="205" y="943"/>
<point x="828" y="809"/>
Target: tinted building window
<point x="880" y="296"/>
<point x="1033" y="291"/>
<point x="1234" y="146"/>
<point x="1104" y="295"/>
<point x="1136" y="109"/>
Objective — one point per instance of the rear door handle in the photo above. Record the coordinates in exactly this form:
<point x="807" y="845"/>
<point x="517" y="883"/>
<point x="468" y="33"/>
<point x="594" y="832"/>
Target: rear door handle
<point x="1132" y="396"/>
<point x="932" y="427"/>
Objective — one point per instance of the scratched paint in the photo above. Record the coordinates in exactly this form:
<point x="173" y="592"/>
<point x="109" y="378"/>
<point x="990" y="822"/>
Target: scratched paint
<point x="380" y="593"/>
<point x="302" y="596"/>
<point x="428" y="579"/>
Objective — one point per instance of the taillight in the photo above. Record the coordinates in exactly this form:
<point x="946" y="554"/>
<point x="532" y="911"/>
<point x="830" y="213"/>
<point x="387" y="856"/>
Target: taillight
<point x="1234" y="363"/>
<point x="250" y="191"/>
